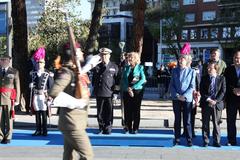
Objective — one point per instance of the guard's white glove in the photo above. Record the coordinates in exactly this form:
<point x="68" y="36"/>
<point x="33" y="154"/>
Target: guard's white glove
<point x="92" y="61"/>
<point x="31" y="85"/>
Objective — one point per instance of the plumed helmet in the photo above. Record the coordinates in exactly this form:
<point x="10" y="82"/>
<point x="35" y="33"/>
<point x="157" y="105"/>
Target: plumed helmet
<point x="186" y="49"/>
<point x="39" y="54"/>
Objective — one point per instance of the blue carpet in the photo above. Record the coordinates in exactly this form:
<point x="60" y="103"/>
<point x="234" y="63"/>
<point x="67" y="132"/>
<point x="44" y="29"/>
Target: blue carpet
<point x="145" y="138"/>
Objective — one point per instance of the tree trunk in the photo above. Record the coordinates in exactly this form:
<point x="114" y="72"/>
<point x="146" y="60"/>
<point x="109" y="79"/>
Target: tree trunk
<point x="138" y="25"/>
<point x="92" y="42"/>
<point x="20" y="45"/>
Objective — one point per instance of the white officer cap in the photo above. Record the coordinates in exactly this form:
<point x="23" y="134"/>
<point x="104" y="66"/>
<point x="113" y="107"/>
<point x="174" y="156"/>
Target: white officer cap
<point x="105" y="51"/>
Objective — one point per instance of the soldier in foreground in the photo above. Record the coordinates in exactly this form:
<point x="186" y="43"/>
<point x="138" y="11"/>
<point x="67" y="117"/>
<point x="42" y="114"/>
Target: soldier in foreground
<point x="72" y="119"/>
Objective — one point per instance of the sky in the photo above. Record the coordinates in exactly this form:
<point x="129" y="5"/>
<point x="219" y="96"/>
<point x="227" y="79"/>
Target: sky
<point x="85" y="9"/>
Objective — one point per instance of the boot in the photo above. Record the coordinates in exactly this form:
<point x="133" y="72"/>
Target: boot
<point x="44" y="123"/>
<point x="38" y="124"/>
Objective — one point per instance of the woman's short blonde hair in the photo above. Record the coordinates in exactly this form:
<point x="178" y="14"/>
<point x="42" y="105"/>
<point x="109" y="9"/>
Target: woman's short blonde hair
<point x="136" y="57"/>
<point x="188" y="58"/>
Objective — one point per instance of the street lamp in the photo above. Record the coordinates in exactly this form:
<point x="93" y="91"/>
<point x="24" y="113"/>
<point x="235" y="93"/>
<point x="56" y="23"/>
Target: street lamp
<point x="121" y="45"/>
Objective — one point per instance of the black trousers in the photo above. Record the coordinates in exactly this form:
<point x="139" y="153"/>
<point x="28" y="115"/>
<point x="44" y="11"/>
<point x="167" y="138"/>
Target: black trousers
<point x="41" y="121"/>
<point x="186" y="108"/>
<point x="132" y="108"/>
<point x="207" y="112"/>
<point x="232" y="109"/>
<point x="105" y="113"/>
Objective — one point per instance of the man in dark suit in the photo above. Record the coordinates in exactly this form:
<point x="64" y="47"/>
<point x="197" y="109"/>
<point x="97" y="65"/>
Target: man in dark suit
<point x="105" y="77"/>
<point x="212" y="90"/>
<point x="232" y="75"/>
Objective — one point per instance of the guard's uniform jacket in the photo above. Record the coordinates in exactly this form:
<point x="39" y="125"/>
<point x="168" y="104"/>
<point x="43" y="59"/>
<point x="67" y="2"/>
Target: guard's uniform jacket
<point x="42" y="82"/>
<point x="105" y="77"/>
<point x="72" y="122"/>
<point x="8" y="81"/>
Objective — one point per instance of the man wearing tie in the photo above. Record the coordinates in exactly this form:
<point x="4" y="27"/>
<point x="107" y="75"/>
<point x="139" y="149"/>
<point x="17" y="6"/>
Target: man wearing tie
<point x="212" y="90"/>
<point x="232" y="75"/>
<point x="9" y="93"/>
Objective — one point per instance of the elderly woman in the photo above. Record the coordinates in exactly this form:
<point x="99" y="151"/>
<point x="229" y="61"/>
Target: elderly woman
<point x="182" y="85"/>
<point x="132" y="84"/>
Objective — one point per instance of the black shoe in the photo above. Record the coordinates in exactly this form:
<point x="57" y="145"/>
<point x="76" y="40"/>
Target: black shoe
<point x="106" y="132"/>
<point x="37" y="133"/>
<point x="100" y="132"/>
<point x="205" y="144"/>
<point x="231" y="144"/>
<point x="6" y="141"/>
<point x="190" y="144"/>
<point x="216" y="145"/>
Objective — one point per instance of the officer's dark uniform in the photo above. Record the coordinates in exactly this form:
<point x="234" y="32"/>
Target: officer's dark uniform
<point x="105" y="77"/>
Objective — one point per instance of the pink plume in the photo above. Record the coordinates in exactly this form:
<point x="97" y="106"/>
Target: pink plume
<point x="39" y="54"/>
<point x="186" y="48"/>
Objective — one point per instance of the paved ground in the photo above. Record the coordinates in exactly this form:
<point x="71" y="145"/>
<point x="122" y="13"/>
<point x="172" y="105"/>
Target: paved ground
<point x="156" y="114"/>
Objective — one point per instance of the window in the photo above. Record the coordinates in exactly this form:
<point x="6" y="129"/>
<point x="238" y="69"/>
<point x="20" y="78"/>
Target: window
<point x="237" y="32"/>
<point x="209" y="1"/>
<point x="226" y="32"/>
<point x="188" y="2"/>
<point x="174" y="4"/>
<point x="106" y="4"/>
<point x="193" y="34"/>
<point x="204" y="33"/>
<point x="184" y="34"/>
<point x="208" y="15"/>
<point x="214" y="33"/>
<point x="190" y="17"/>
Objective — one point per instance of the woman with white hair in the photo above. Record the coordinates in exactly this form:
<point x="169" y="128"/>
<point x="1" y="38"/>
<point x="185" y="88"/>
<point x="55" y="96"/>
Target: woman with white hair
<point x="132" y="84"/>
<point x="182" y="85"/>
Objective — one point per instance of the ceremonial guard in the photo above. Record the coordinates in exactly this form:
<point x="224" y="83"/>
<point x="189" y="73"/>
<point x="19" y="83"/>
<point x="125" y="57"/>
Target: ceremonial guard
<point x="10" y="95"/>
<point x="105" y="80"/>
<point x="42" y="80"/>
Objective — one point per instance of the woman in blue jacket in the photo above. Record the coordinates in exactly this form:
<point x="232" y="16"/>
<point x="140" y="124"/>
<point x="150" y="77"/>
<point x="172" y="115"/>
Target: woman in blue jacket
<point x="132" y="84"/>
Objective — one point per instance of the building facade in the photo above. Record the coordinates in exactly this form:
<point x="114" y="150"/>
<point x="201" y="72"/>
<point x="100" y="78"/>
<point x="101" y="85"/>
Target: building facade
<point x="34" y="8"/>
<point x="208" y="24"/>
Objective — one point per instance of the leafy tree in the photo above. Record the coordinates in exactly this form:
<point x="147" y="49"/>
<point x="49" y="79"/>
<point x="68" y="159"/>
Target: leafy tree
<point x="173" y="22"/>
<point x="51" y="30"/>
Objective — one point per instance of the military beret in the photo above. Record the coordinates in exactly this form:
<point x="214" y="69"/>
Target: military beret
<point x="68" y="46"/>
<point x="105" y="51"/>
